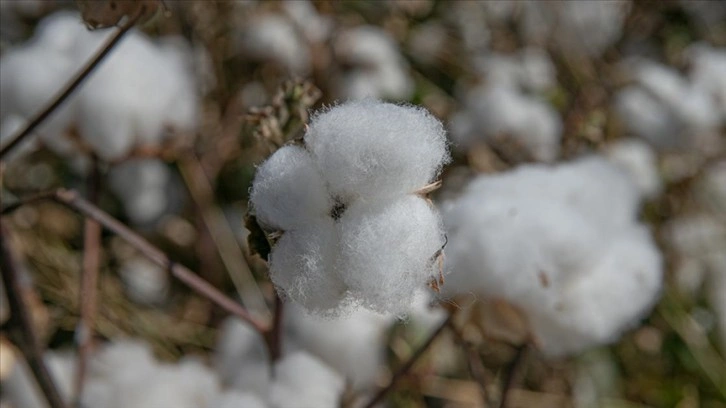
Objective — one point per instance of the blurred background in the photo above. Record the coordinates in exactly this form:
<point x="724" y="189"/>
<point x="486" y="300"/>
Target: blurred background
<point x="205" y="90"/>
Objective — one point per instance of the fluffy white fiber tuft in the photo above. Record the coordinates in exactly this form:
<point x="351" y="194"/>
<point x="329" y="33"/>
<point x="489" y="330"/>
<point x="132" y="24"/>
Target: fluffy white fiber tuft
<point x="388" y="250"/>
<point x="302" y="381"/>
<point x="353" y="231"/>
<point x="289" y="190"/>
<point x="560" y="243"/>
<point x="369" y="149"/>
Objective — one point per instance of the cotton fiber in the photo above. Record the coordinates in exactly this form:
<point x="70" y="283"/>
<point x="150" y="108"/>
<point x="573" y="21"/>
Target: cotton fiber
<point x="371" y="150"/>
<point x="379" y="70"/>
<point x="561" y="244"/>
<point x="132" y="99"/>
<point x="303" y="381"/>
<point x="352" y="345"/>
<point x="350" y="227"/>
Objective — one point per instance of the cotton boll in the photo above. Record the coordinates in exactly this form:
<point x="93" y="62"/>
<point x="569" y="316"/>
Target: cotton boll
<point x="502" y="111"/>
<point x="241" y="358"/>
<point x="29" y="77"/>
<point x="272" y="37"/>
<point x="288" y="191"/>
<point x="707" y="67"/>
<point x="141" y="186"/>
<point x="146" y="282"/>
<point x="562" y="245"/>
<point x="237" y="399"/>
<point x="629" y="276"/>
<point x="639" y="160"/>
<point x="302" y="266"/>
<point x="645" y="116"/>
<point x="20" y="388"/>
<point x="316" y="27"/>
<point x="353" y="345"/>
<point x="302" y="381"/>
<point x="380" y="70"/>
<point x="369" y="149"/>
<point x="388" y="250"/>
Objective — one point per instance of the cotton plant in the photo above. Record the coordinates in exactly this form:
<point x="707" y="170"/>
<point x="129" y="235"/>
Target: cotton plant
<point x="344" y="209"/>
<point x="377" y="68"/>
<point x="669" y="110"/>
<point x="562" y="245"/>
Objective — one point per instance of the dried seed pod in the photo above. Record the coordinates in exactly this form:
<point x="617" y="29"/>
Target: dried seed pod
<point x="108" y="13"/>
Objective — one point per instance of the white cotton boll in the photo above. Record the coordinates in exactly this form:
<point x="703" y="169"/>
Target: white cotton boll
<point x="641" y="163"/>
<point x="370" y="149"/>
<point x="241" y="358"/>
<point x="288" y="191"/>
<point x="388" y="250"/>
<point x="302" y="267"/>
<point x="302" y="381"/>
<point x="529" y="69"/>
<point x="708" y="65"/>
<point x="20" y="388"/>
<point x="502" y="111"/>
<point x="237" y="399"/>
<point x="272" y="37"/>
<point x="145" y="282"/>
<point x="29" y="77"/>
<point x="646" y="117"/>
<point x="315" y="26"/>
<point x="581" y="27"/>
<point x="379" y="69"/>
<point x="141" y="186"/>
<point x="561" y="244"/>
<point x="354" y="345"/>
<point x="629" y="276"/>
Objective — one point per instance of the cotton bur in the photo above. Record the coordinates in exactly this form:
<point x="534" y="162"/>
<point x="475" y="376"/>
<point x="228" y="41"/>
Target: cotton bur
<point x="352" y="227"/>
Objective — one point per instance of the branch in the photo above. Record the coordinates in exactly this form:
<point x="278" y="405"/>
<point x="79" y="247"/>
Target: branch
<point x="19" y="319"/>
<point x="70" y="87"/>
<point x="407" y="366"/>
<point x="89" y="280"/>
<point x="512" y="377"/>
<point x="74" y="201"/>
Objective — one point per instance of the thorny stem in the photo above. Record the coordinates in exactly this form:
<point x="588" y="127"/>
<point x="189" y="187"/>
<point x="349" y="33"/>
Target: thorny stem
<point x="406" y="367"/>
<point x="89" y="280"/>
<point x="515" y="366"/>
<point x="19" y="319"/>
<point x="74" y="201"/>
<point x="70" y="87"/>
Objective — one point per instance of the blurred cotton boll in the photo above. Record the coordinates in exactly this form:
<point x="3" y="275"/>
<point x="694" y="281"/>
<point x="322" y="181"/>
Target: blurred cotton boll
<point x="141" y="184"/>
<point x="641" y="163"/>
<point x="140" y="92"/>
<point x="562" y="245"/>
<point x="275" y="38"/>
<point x="378" y="70"/>
<point x="146" y="282"/>
<point x="303" y="381"/>
<point x="241" y="358"/>
<point x="494" y="113"/>
<point x="353" y="231"/>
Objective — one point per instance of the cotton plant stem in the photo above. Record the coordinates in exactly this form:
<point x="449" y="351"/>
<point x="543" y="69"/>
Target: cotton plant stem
<point x="70" y="87"/>
<point x="224" y="239"/>
<point x="273" y="337"/>
<point x="74" y="201"/>
<point x="513" y="374"/>
<point x="20" y="320"/>
<point x="476" y="367"/>
<point x="89" y="281"/>
<point x="406" y="367"/>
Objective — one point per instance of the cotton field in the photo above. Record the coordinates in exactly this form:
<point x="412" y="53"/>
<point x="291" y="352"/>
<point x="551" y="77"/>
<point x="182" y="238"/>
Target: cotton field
<point x="317" y="204"/>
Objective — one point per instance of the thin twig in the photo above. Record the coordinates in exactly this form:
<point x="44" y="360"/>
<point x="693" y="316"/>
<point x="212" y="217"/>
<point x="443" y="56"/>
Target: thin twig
<point x="239" y="271"/>
<point x="89" y="280"/>
<point x="74" y="201"/>
<point x="273" y="337"/>
<point x="406" y="367"/>
<point x="476" y="367"/>
<point x="70" y="87"/>
<point x="512" y="374"/>
<point x="28" y="342"/>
